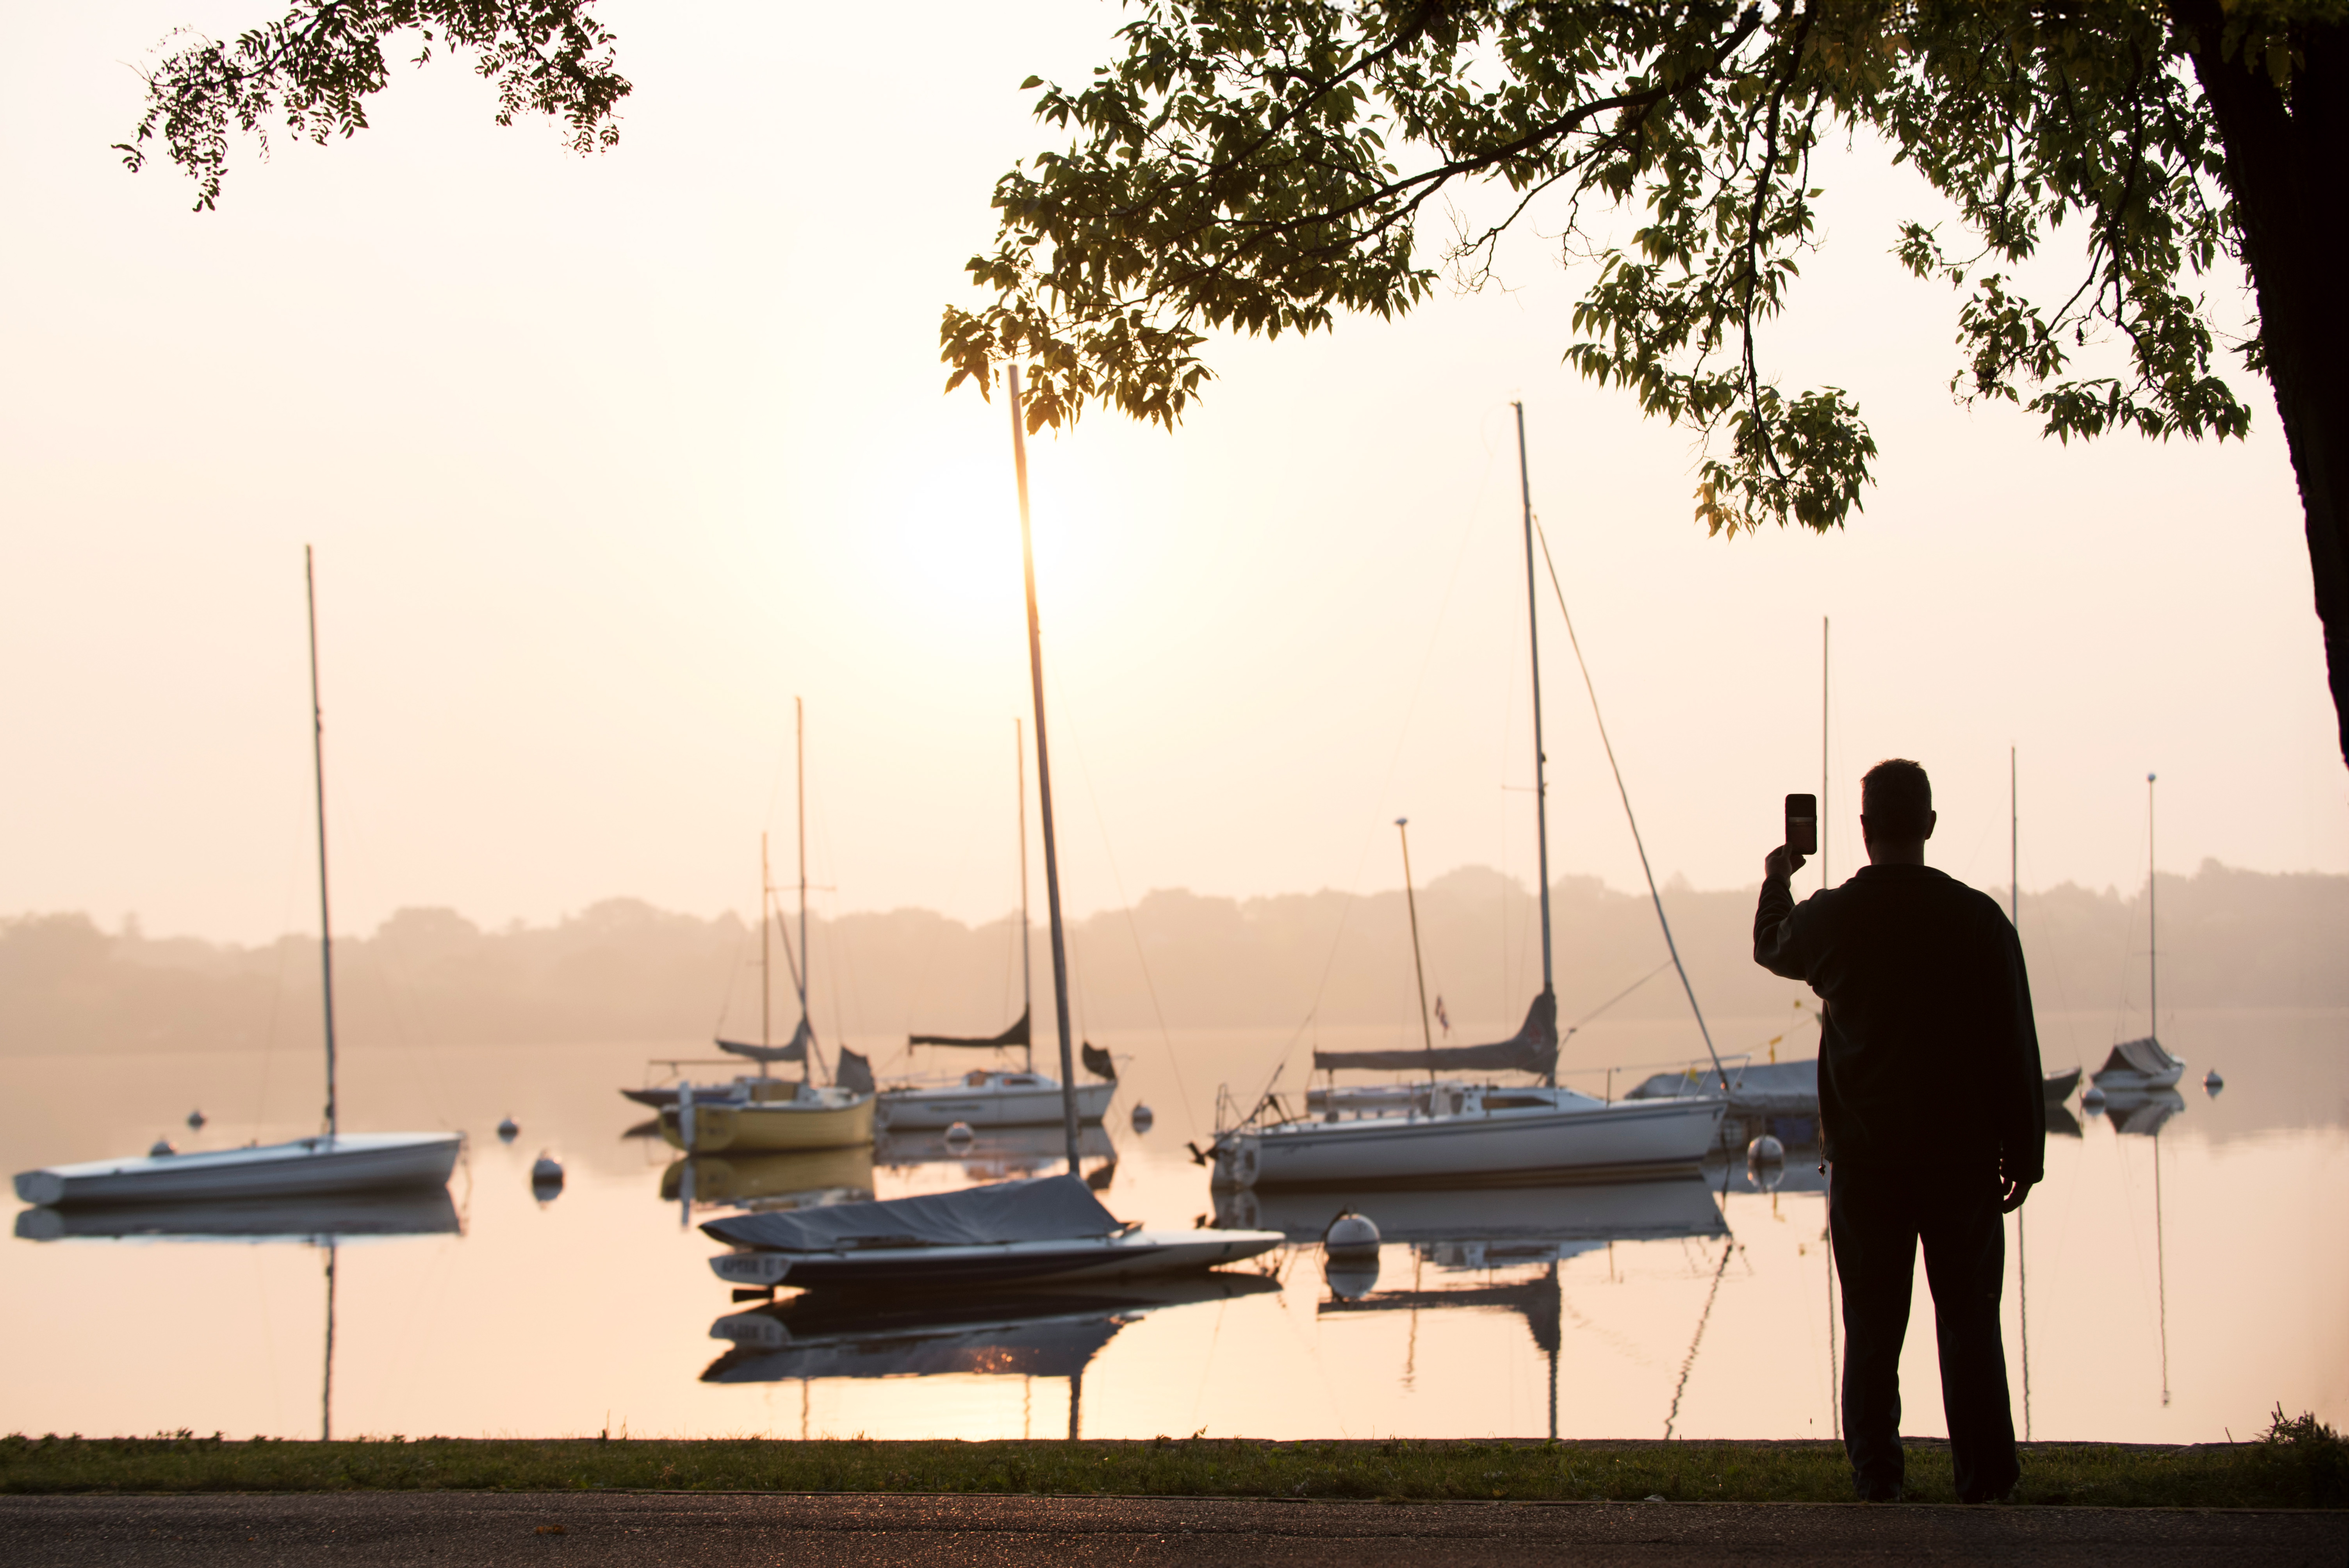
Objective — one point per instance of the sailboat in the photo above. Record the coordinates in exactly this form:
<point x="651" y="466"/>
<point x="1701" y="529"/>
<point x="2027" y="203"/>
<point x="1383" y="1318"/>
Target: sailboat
<point x="761" y="1114"/>
<point x="333" y="1161"/>
<point x="995" y="1097"/>
<point x="2142" y="1066"/>
<point x="1454" y="1132"/>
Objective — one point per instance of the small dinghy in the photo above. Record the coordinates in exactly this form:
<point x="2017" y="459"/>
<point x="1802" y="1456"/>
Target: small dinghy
<point x="2056" y="1088"/>
<point x="307" y="1167"/>
<point x="1048" y="1228"/>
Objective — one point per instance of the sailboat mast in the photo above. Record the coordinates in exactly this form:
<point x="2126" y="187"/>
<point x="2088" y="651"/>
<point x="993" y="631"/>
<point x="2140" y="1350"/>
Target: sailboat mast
<point x="1411" y="902"/>
<point x="2152" y="927"/>
<point x="766" y="945"/>
<point x="319" y="763"/>
<point x="1533" y="639"/>
<point x="1044" y="784"/>
<point x="2013" y="846"/>
<point x="807" y="965"/>
<point x="1026" y="970"/>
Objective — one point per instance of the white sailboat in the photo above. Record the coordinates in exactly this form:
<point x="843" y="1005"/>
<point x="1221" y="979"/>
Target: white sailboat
<point x="2142" y="1066"/>
<point x="995" y="1097"/>
<point x="332" y="1163"/>
<point x="1457" y="1132"/>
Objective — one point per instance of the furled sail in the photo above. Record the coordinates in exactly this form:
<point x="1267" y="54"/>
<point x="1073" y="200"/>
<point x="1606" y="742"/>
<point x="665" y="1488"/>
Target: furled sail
<point x="1532" y="1049"/>
<point x="796" y="1051"/>
<point x="1011" y="1039"/>
<point x="2147" y="1056"/>
<point x="1097" y="1061"/>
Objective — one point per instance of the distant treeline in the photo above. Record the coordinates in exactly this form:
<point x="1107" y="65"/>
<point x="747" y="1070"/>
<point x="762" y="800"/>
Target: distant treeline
<point x="624" y="970"/>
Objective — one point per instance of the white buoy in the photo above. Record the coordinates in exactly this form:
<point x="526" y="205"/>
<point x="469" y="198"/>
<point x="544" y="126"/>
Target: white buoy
<point x="1351" y="1281"/>
<point x="196" y="1119"/>
<point x="2212" y="1083"/>
<point x="545" y="1178"/>
<point x="2093" y="1102"/>
<point x="958" y="1134"/>
<point x="1143" y="1119"/>
<point x="1766" y="1163"/>
<point x="1352" y="1238"/>
<point x="163" y="1146"/>
<point x="509" y="1130"/>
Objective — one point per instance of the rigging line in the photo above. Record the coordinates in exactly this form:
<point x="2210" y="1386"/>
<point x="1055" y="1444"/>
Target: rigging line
<point x="1402" y="739"/>
<point x="1670" y="946"/>
<point x="1688" y="1363"/>
<point x="1619" y="995"/>
<point x="843" y="995"/>
<point x="1133" y="932"/>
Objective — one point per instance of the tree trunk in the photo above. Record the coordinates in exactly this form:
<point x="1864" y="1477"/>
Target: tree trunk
<point x="2287" y="166"/>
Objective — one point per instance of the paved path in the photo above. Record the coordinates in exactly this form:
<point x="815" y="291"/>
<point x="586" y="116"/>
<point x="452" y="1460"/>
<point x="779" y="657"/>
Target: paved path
<point x="746" y="1530"/>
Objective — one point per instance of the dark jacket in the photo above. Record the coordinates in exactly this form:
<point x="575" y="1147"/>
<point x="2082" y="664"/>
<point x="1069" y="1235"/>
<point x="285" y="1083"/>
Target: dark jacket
<point x="1928" y="1054"/>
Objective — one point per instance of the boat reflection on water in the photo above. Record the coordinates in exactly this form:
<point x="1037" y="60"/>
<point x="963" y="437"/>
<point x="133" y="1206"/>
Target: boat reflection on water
<point x="998" y="1153"/>
<point x="2142" y="1113"/>
<point x="1456" y="1231"/>
<point x="323" y="1221"/>
<point x="790" y="1179"/>
<point x="1034" y="1332"/>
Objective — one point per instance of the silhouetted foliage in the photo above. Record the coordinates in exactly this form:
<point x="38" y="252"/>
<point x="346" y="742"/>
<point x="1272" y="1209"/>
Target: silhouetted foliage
<point x="1262" y="168"/>
<point x="313" y="69"/>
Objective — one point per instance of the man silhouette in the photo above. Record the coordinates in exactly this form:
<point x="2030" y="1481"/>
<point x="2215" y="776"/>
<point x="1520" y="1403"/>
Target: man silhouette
<point x="1933" y="1119"/>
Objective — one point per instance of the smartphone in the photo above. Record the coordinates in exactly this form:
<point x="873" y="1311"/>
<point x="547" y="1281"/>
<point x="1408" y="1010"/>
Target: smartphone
<point x="1803" y="824"/>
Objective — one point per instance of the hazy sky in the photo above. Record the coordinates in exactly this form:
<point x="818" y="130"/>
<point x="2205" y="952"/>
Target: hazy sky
<point x="605" y="460"/>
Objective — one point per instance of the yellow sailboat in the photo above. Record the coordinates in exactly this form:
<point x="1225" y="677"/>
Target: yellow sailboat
<point x="765" y="1114"/>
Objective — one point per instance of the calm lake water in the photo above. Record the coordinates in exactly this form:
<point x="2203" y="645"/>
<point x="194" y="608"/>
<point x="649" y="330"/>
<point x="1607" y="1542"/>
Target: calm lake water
<point x="2177" y="1286"/>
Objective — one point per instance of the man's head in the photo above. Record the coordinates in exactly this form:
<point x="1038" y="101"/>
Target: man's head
<point x="1896" y="812"/>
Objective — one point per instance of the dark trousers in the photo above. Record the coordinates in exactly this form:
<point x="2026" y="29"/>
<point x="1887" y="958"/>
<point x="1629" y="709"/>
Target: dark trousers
<point x="1877" y="1217"/>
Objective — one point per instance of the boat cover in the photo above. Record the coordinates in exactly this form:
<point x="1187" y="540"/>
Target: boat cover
<point x="855" y="1072"/>
<point x="1041" y="1209"/>
<point x="1532" y="1049"/>
<point x="2144" y="1056"/>
<point x="796" y="1051"/>
<point x="1097" y="1062"/>
<point x="1758" y="1088"/>
<point x="1017" y="1035"/>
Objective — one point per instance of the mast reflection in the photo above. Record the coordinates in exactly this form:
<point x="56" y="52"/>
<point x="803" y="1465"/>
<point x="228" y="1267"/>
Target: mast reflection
<point x="325" y="1223"/>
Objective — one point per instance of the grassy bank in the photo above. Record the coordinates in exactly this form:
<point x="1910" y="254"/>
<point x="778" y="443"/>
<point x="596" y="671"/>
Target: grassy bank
<point x="2297" y="1464"/>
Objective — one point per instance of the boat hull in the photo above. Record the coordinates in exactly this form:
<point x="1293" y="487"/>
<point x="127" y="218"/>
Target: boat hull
<point x="409" y="1212"/>
<point x="926" y="1109"/>
<point x="754" y="1127"/>
<point x="2128" y="1081"/>
<point x="1137" y="1254"/>
<point x="1578" y="1212"/>
<point x="1622" y="1142"/>
<point x="307" y="1167"/>
<point x="2058" y="1087"/>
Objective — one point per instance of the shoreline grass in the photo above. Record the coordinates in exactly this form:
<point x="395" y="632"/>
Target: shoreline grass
<point x="2296" y="1464"/>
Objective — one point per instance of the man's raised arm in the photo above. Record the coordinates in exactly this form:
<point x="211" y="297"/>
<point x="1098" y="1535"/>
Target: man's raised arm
<point x="1774" y="947"/>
